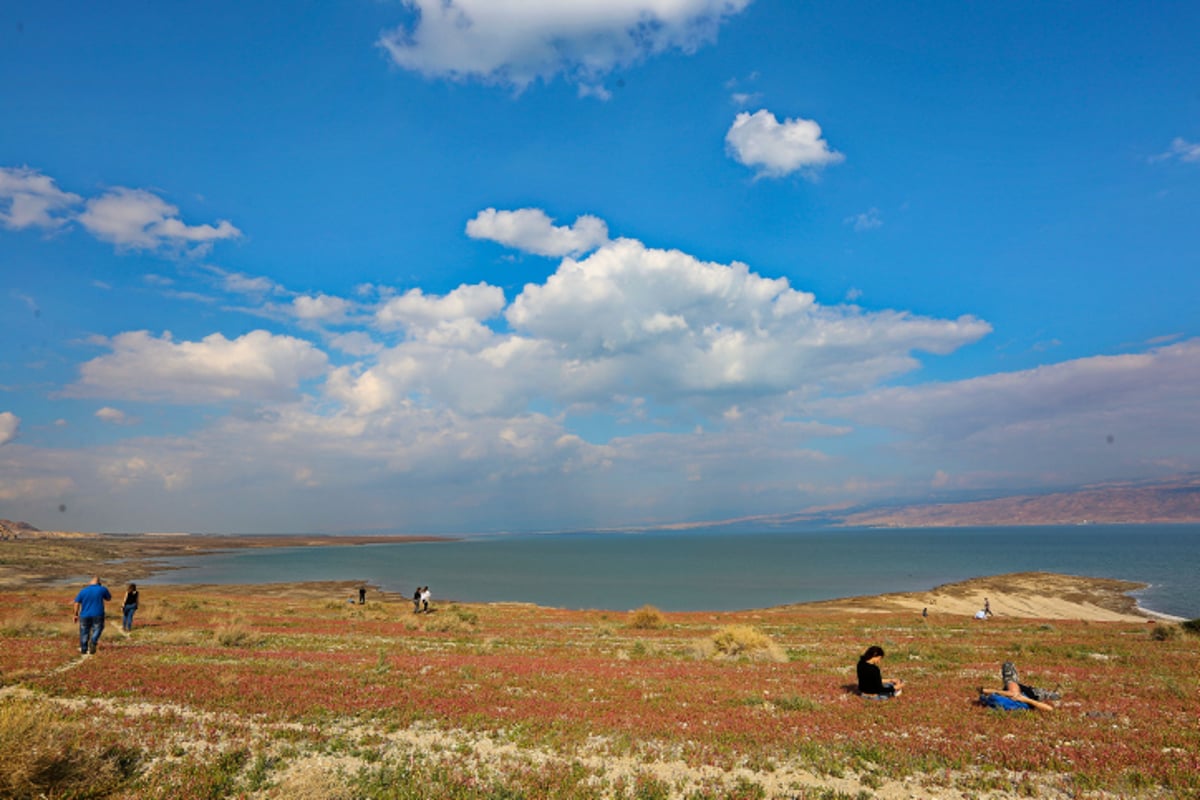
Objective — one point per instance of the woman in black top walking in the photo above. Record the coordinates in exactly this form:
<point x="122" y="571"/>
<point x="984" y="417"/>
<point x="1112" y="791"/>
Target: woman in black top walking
<point x="129" y="606"/>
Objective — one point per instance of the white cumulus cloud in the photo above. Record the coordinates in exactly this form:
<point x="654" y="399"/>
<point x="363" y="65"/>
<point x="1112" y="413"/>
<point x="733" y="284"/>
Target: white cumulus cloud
<point x="775" y="148"/>
<point x="632" y="322"/>
<point x="29" y="199"/>
<point x="9" y="423"/>
<point x="531" y="230"/>
<point x="664" y="323"/>
<point x="254" y="367"/>
<point x="516" y="42"/>
<point x="140" y="220"/>
<point x="462" y="309"/>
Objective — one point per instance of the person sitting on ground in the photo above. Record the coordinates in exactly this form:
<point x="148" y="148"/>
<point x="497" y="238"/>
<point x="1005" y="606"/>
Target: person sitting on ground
<point x="1018" y="693"/>
<point x="870" y="679"/>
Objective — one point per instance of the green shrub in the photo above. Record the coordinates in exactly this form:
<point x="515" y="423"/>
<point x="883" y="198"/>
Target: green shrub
<point x="1191" y="626"/>
<point x="1162" y="632"/>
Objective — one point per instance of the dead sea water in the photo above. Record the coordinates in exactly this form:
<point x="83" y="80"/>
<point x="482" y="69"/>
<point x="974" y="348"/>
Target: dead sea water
<point x="726" y="570"/>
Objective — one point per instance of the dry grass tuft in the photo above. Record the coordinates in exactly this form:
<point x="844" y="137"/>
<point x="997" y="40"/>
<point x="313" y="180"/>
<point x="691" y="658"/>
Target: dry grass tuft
<point x="741" y="641"/>
<point x="313" y="780"/>
<point x="453" y="619"/>
<point x="46" y="757"/>
<point x="647" y="618"/>
<point x="236" y="634"/>
<point x="30" y="622"/>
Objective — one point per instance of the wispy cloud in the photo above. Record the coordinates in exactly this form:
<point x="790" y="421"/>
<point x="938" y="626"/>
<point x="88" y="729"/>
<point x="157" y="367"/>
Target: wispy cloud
<point x="1180" y="150"/>
<point x="866" y="221"/>
<point x="114" y="416"/>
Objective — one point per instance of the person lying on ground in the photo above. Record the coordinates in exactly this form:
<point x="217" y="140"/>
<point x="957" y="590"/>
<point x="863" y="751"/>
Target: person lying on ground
<point x="1030" y="696"/>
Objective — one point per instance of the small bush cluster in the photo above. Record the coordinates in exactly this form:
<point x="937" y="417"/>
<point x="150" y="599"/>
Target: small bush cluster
<point x="647" y="618"/>
<point x="742" y="641"/>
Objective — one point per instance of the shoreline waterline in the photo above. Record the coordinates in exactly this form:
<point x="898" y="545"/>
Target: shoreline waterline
<point x="724" y="571"/>
<point x="1048" y="603"/>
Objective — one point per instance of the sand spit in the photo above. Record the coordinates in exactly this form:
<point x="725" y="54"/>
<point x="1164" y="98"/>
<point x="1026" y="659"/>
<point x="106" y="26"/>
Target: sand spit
<point x="1029" y="595"/>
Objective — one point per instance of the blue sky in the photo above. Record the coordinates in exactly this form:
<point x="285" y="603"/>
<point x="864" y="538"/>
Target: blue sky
<point x="483" y="265"/>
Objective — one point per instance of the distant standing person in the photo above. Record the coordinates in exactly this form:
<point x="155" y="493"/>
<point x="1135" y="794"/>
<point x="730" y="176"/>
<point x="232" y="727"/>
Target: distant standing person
<point x="128" y="606"/>
<point x="362" y="595"/>
<point x="425" y="595"/>
<point x="870" y="679"/>
<point x="987" y="607"/>
<point x="89" y="613"/>
<point x="417" y="600"/>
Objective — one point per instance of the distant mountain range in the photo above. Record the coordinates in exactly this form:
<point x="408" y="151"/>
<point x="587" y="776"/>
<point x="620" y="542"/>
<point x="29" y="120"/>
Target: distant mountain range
<point x="1174" y="500"/>
<point x="14" y="530"/>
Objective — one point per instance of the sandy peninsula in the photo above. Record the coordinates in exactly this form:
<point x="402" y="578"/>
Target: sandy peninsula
<point x="1030" y="595"/>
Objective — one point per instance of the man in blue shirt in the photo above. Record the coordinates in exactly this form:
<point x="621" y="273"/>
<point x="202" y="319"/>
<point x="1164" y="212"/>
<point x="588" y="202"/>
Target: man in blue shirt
<point x="89" y="613"/>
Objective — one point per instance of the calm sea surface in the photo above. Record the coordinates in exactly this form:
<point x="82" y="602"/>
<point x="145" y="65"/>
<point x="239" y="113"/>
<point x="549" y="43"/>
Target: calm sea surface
<point x="723" y="571"/>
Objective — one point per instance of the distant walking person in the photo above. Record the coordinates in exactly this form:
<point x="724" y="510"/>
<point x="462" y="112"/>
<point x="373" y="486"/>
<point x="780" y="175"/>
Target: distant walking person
<point x="987" y="607"/>
<point x="128" y="606"/>
<point x="89" y="613"/>
<point x="425" y="595"/>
